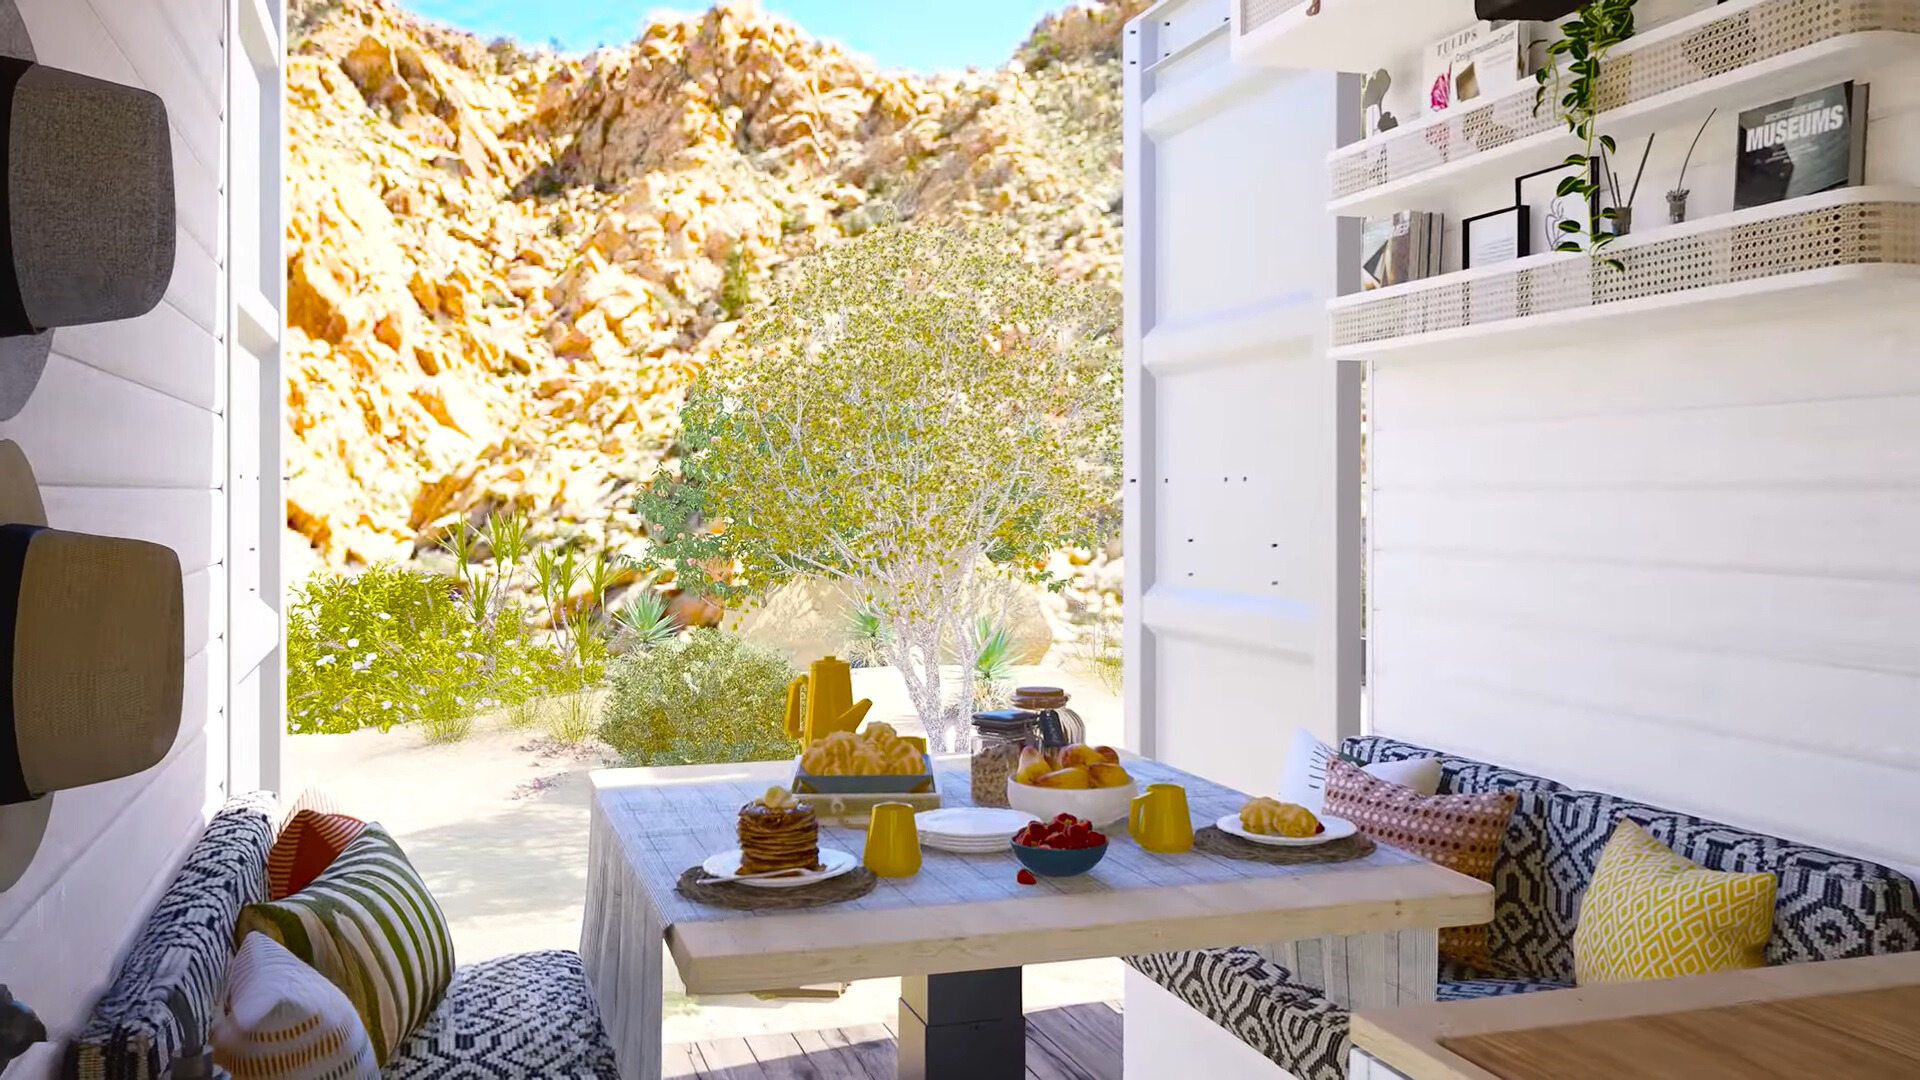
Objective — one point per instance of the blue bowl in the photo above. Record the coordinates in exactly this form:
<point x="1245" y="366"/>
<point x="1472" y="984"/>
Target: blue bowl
<point x="1058" y="862"/>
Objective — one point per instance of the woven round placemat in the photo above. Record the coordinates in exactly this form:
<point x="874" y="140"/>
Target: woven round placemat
<point x="851" y="885"/>
<point x="1214" y="842"/>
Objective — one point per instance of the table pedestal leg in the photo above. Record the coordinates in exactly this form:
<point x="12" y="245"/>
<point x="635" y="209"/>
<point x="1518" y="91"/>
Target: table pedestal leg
<point x="965" y="1026"/>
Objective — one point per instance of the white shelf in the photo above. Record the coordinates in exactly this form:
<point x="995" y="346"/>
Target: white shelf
<point x="1346" y="35"/>
<point x="1858" y="244"/>
<point x="1451" y="135"/>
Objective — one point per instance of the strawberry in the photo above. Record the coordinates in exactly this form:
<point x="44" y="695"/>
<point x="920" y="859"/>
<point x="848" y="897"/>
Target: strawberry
<point x="1318" y="828"/>
<point x="1025" y="877"/>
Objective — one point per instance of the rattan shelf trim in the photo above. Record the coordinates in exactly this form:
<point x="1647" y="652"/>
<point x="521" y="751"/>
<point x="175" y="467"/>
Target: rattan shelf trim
<point x="1866" y="237"/>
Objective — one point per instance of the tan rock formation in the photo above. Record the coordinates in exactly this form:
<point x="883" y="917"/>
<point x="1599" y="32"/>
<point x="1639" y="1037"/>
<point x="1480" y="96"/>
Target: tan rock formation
<point x="505" y="265"/>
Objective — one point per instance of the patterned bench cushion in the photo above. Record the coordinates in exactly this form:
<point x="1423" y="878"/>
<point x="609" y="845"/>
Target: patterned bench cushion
<point x="1520" y="934"/>
<point x="1828" y="906"/>
<point x="1461" y="983"/>
<point x="168" y="990"/>
<point x="1257" y="1002"/>
<point x="527" y="1015"/>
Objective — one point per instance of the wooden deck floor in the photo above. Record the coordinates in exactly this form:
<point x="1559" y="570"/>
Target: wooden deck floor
<point x="1078" y="1042"/>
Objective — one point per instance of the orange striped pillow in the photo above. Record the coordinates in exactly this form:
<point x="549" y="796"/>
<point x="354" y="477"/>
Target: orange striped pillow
<point x="305" y="848"/>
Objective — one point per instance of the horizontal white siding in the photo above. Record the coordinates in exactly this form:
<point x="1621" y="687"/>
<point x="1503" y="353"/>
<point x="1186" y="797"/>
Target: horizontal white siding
<point x="126" y="436"/>
<point x="1683" y="570"/>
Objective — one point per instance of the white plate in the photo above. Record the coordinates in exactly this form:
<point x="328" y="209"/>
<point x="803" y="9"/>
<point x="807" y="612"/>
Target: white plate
<point x="834" y="861"/>
<point x="1338" y="828"/>
<point x="970" y="829"/>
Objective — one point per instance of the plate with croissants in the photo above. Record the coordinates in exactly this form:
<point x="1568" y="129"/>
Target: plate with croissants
<point x="1284" y="824"/>
<point x="876" y="761"/>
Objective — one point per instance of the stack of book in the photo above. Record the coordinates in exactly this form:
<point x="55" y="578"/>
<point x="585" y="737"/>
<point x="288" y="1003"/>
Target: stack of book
<point x="1401" y="247"/>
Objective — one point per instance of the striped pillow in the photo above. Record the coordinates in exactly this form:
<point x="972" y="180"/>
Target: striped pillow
<point x="371" y="927"/>
<point x="305" y="848"/>
<point x="284" y="1021"/>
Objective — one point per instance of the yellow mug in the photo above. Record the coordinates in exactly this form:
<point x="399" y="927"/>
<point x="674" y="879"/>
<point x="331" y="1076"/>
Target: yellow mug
<point x="893" y="841"/>
<point x="1158" y="819"/>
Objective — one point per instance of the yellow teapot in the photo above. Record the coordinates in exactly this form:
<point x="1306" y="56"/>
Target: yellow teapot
<point x="828" y="690"/>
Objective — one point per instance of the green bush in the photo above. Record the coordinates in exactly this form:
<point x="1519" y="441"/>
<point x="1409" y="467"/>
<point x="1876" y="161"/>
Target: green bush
<point x="393" y="645"/>
<point x="708" y="697"/>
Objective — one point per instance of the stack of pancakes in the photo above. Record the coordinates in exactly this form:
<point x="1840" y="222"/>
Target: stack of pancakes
<point x="774" y="838"/>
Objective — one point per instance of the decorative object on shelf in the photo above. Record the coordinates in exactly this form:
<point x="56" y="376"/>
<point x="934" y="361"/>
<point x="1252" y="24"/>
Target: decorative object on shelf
<point x="1677" y="195"/>
<point x="1483" y="60"/>
<point x="92" y="643"/>
<point x="1374" y="117"/>
<point x="1494" y="237"/>
<point x="1622" y="220"/>
<point x="87" y="184"/>
<point x="1802" y="145"/>
<point x="1397" y="248"/>
<point x="1594" y="30"/>
<point x="1549" y="203"/>
<point x="19" y="1028"/>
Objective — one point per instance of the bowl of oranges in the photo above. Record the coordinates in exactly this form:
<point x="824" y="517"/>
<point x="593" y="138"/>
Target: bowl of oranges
<point x="1085" y="782"/>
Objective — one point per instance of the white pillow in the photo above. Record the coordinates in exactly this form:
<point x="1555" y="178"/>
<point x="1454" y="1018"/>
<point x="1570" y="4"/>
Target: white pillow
<point x="1303" y="779"/>
<point x="285" y="1021"/>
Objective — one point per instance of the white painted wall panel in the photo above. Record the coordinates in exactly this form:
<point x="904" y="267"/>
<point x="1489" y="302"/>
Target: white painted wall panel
<point x="125" y="438"/>
<point x="1242" y="483"/>
<point x="1684" y="571"/>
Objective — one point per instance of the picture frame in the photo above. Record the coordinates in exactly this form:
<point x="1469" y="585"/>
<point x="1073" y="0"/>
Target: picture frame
<point x="1545" y="209"/>
<point x="1494" y="237"/>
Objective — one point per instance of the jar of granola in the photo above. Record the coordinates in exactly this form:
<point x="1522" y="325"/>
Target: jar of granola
<point x="998" y="738"/>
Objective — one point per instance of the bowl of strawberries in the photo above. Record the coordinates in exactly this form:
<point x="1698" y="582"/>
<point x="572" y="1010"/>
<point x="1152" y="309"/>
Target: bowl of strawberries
<point x="1063" y="847"/>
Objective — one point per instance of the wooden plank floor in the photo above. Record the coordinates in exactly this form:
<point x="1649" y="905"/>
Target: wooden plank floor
<point x="1078" y="1042"/>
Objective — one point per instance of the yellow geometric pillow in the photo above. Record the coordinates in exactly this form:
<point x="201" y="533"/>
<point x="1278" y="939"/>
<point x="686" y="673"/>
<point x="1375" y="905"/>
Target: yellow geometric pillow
<point x="1651" y="914"/>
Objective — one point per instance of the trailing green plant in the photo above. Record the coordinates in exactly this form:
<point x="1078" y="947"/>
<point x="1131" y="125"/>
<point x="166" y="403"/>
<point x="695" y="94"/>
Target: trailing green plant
<point x="704" y="698"/>
<point x="1590" y="35"/>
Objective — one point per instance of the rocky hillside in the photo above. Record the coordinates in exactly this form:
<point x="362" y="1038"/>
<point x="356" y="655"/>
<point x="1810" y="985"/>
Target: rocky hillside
<point x="504" y="265"/>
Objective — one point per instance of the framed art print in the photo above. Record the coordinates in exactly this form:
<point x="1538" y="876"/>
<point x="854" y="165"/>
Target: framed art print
<point x="1494" y="237"/>
<point x="1536" y="193"/>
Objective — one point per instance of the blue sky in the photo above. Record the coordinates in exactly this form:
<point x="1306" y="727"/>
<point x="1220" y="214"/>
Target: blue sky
<point x="922" y="35"/>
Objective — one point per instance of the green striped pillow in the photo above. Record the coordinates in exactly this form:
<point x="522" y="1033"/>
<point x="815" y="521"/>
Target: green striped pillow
<point x="371" y="927"/>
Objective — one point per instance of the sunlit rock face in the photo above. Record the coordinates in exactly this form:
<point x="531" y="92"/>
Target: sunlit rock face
<point x="504" y="265"/>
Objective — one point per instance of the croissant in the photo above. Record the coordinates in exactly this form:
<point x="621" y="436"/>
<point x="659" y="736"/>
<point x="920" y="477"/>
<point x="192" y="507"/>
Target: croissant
<point x="879" y="751"/>
<point x="1271" y="817"/>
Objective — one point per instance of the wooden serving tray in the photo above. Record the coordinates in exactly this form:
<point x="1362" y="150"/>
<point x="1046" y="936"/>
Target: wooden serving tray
<point x="855" y="809"/>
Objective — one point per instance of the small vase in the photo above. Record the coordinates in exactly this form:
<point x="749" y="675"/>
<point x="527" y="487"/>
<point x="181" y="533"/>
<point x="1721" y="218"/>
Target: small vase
<point x="1621" y="223"/>
<point x="1677" y="206"/>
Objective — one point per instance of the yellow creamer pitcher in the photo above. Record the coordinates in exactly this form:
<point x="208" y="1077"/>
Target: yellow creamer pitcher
<point x="828" y="692"/>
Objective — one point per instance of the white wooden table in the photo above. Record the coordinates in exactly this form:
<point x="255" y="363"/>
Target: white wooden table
<point x="959" y="931"/>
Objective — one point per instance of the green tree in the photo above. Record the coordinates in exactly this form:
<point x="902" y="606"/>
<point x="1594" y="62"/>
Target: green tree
<point x="916" y="416"/>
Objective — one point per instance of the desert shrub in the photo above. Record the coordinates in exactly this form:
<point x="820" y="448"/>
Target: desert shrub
<point x="393" y="645"/>
<point x="708" y="697"/>
<point x="866" y="637"/>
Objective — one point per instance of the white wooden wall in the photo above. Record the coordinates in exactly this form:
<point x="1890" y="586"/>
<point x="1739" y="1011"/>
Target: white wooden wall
<point x="137" y="430"/>
<point x="1684" y="569"/>
<point x="1242" y="485"/>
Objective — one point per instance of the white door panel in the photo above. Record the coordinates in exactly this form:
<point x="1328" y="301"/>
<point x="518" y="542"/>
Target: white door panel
<point x="1242" y="494"/>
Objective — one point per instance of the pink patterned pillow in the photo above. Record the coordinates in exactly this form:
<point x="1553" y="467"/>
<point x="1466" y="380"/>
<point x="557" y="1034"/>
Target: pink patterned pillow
<point x="1460" y="832"/>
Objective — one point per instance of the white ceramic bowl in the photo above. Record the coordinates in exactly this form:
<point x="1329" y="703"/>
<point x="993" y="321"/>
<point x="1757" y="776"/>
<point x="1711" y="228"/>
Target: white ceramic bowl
<point x="1102" y="806"/>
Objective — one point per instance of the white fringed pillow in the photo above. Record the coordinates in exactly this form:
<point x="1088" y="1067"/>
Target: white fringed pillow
<point x="1304" y="778"/>
<point x="285" y="1021"/>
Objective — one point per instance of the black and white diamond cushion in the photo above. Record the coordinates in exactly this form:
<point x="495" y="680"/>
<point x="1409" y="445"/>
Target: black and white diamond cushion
<point x="168" y="990"/>
<point x="1257" y="1002"/>
<point x="530" y="1016"/>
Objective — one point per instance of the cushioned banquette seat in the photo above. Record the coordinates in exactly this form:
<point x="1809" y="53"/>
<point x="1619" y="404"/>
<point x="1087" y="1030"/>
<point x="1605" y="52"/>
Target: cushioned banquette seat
<point x="507" y="1018"/>
<point x="1828" y="906"/>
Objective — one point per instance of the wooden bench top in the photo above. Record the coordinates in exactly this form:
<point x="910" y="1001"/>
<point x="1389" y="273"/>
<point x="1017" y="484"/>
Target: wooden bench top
<point x="1839" y="1018"/>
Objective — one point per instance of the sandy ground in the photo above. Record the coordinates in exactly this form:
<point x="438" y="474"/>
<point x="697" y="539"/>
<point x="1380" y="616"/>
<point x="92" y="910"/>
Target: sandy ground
<point x="497" y="824"/>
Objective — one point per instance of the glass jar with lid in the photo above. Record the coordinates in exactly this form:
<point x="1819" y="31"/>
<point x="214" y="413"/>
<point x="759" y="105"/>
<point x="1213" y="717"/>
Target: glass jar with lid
<point x="1041" y="700"/>
<point x="998" y="738"/>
